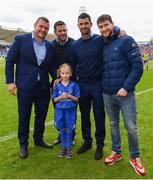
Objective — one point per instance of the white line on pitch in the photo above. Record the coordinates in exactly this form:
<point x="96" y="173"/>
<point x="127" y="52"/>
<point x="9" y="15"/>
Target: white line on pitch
<point x="142" y="92"/>
<point x="14" y="134"/>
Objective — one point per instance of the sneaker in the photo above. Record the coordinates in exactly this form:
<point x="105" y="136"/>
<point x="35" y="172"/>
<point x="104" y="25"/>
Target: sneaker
<point x="98" y="153"/>
<point x="69" y="153"/>
<point x="113" y="158"/>
<point x="136" y="164"/>
<point x="62" y="153"/>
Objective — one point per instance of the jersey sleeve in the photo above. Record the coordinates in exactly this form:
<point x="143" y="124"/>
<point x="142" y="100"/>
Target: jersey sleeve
<point x="76" y="90"/>
<point x="54" y="92"/>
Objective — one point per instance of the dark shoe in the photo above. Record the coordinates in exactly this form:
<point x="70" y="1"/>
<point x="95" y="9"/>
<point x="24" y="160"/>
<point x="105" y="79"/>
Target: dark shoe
<point x="43" y="144"/>
<point x="84" y="148"/>
<point x="57" y="141"/>
<point x="98" y="153"/>
<point x="23" y="152"/>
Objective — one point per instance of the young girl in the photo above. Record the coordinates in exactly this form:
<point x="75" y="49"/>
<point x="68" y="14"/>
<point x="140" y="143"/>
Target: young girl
<point x="66" y="95"/>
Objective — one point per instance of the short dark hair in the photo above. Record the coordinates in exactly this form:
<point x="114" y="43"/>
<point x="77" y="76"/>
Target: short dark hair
<point x="83" y="16"/>
<point x="58" y="23"/>
<point x="103" y="18"/>
<point x="43" y="19"/>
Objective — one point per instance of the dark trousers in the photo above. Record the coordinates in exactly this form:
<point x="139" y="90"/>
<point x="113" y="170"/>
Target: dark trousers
<point x="91" y="95"/>
<point x="40" y="98"/>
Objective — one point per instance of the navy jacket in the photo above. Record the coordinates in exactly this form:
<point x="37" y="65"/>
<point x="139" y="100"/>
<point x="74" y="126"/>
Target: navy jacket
<point x="122" y="64"/>
<point x="62" y="54"/>
<point x="22" y="54"/>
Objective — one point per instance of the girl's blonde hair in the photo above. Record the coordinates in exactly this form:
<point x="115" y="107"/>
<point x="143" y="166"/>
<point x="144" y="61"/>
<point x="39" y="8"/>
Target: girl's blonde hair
<point x="62" y="66"/>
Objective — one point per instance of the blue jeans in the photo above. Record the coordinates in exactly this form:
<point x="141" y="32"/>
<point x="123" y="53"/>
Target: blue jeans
<point x="127" y="105"/>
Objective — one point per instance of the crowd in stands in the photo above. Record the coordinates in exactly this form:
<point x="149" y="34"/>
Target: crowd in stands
<point x="3" y="50"/>
<point x="146" y="48"/>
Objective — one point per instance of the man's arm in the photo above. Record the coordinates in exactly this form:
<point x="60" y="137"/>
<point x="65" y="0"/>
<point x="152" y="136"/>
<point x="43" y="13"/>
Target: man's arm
<point x="133" y="55"/>
<point x="73" y="63"/>
<point x="11" y="59"/>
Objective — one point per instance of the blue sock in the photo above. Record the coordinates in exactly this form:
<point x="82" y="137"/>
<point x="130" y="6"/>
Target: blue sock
<point x="63" y="138"/>
<point x="68" y="139"/>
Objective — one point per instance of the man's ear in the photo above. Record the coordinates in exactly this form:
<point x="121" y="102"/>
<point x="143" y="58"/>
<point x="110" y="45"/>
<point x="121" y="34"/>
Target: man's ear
<point x="34" y="25"/>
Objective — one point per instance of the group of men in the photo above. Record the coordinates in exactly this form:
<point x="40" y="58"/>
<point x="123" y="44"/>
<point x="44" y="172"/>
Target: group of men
<point x="106" y="67"/>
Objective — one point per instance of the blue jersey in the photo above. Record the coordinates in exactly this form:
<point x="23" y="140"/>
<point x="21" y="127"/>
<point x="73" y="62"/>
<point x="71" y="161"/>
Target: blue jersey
<point x="72" y="88"/>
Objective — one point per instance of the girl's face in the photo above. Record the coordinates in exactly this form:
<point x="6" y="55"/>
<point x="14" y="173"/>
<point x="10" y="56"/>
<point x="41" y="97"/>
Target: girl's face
<point x="65" y="73"/>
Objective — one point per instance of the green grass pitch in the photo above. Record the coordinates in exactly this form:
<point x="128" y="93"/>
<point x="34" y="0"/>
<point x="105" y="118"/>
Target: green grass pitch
<point x="45" y="164"/>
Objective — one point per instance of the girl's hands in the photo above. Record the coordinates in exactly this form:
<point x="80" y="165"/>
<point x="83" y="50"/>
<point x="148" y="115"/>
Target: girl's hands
<point x="64" y="95"/>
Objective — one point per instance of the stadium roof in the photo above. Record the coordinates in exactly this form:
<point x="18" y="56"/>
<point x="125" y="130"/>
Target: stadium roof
<point x="7" y="35"/>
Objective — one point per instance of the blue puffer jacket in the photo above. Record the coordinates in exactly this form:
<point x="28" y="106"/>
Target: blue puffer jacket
<point x="122" y="64"/>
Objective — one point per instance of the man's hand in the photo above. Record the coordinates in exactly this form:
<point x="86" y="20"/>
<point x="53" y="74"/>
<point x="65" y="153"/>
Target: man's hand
<point x="122" y="33"/>
<point x="56" y="82"/>
<point x="12" y="89"/>
<point x="122" y="92"/>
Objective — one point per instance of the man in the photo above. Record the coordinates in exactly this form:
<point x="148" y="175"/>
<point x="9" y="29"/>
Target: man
<point x="62" y="54"/>
<point x="32" y="55"/>
<point x="87" y="52"/>
<point x="122" y="70"/>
